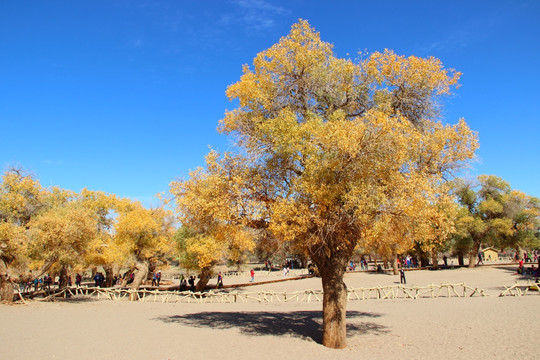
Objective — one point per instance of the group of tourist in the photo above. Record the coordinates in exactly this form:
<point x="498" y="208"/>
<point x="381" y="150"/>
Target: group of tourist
<point x="403" y="262"/>
<point x="39" y="283"/>
<point x="156" y="278"/>
<point x="408" y="262"/>
<point x="533" y="271"/>
<point x="363" y="264"/>
<point x="191" y="281"/>
<point x="528" y="258"/>
<point x="351" y="266"/>
<point x="99" y="279"/>
<point x="46" y="282"/>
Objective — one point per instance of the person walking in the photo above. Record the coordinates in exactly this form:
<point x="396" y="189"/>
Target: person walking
<point x="480" y="258"/>
<point x="252" y="273"/>
<point x="402" y="279"/>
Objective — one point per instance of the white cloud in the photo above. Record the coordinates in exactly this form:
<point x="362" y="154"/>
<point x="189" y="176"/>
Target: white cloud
<point x="258" y="14"/>
<point x="137" y="43"/>
<point x="261" y="5"/>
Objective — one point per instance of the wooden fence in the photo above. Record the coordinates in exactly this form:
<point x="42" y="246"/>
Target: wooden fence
<point x="377" y="292"/>
<point x="521" y="289"/>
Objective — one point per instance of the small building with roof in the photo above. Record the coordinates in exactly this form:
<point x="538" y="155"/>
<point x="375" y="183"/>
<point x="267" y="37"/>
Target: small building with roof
<point x="490" y="254"/>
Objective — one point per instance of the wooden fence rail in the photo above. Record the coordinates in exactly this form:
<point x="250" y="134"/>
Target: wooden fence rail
<point x="264" y="296"/>
<point x="521" y="289"/>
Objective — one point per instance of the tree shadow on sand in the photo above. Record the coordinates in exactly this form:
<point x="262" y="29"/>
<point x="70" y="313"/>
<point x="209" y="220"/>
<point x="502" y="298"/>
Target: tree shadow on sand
<point x="301" y="324"/>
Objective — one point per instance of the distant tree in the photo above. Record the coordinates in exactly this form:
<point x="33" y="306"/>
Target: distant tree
<point x="147" y="235"/>
<point x="524" y="212"/>
<point x="438" y="225"/>
<point x="62" y="235"/>
<point x="21" y="198"/>
<point x="12" y="246"/>
<point x="198" y="252"/>
<point x="103" y="250"/>
<point x="461" y="246"/>
<point x="483" y="219"/>
<point x="208" y="207"/>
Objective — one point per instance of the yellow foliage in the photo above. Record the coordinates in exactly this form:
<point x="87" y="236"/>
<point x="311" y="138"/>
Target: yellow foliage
<point x="21" y="196"/>
<point x="209" y="203"/>
<point x="490" y="207"/>
<point x="332" y="152"/>
<point x="12" y="242"/>
<point x="414" y="72"/>
<point x="62" y="234"/>
<point x="206" y="250"/>
<point x="146" y="233"/>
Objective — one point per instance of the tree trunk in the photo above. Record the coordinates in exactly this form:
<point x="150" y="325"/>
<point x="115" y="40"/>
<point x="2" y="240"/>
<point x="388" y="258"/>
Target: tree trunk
<point x="520" y="252"/>
<point x="94" y="271"/>
<point x="6" y="286"/>
<point x="63" y="278"/>
<point x="460" y="260"/>
<point x="204" y="278"/>
<point x="424" y="261"/>
<point x="334" y="306"/>
<point x="116" y="270"/>
<point x="126" y="278"/>
<point x="395" y="265"/>
<point x="141" y="270"/>
<point x="303" y="260"/>
<point x="435" y="259"/>
<point x="151" y="270"/>
<point x="473" y="255"/>
<point x="109" y="277"/>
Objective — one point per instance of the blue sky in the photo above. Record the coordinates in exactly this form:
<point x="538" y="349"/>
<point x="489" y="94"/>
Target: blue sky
<point x="125" y="96"/>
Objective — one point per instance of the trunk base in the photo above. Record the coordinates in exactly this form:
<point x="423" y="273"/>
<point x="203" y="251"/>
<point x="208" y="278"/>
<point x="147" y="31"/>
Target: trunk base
<point x="6" y="290"/>
<point x="334" y="310"/>
<point x="141" y="270"/>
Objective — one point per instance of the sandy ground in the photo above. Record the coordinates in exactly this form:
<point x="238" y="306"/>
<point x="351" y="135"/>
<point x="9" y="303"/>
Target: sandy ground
<point x="478" y="327"/>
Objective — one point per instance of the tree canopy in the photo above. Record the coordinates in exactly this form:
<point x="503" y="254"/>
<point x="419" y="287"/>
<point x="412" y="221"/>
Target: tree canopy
<point x="53" y="228"/>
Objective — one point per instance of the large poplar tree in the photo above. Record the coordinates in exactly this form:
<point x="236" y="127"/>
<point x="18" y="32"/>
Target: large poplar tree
<point x="329" y="153"/>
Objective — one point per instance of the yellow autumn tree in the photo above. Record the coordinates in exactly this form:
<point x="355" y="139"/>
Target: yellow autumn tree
<point x="437" y="225"/>
<point x="146" y="234"/>
<point x="12" y="246"/>
<point x="329" y="150"/>
<point x="21" y="198"/>
<point x="212" y="231"/>
<point x="103" y="250"/>
<point x="62" y="235"/>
